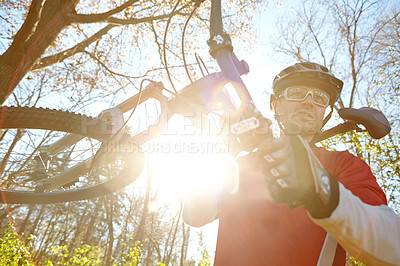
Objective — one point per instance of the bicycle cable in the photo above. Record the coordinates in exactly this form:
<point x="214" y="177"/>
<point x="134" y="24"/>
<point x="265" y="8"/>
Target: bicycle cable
<point x="183" y="43"/>
<point x="199" y="60"/>
<point x="165" y="45"/>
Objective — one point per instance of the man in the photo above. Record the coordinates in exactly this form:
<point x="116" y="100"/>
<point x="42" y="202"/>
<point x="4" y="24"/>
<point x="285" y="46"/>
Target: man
<point x="332" y="206"/>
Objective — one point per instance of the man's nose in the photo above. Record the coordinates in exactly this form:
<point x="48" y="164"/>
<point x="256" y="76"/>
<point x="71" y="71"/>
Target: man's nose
<point x="308" y="99"/>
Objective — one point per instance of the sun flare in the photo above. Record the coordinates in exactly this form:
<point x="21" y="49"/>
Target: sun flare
<point x="180" y="164"/>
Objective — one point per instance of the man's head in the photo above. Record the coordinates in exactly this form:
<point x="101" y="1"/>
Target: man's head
<point x="301" y="94"/>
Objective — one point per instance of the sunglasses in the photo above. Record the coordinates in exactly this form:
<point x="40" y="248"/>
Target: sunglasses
<point x="298" y="94"/>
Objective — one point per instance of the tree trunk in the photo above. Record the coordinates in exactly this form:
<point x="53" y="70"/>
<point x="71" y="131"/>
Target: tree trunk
<point x="45" y="235"/>
<point x="78" y="230"/>
<point x="44" y="22"/>
<point x="185" y="242"/>
<point x="110" y="210"/>
<point x="36" y="222"/>
<point x="142" y="223"/>
<point x="22" y="229"/>
<point x="94" y="216"/>
<point x="124" y="233"/>
<point x="167" y="259"/>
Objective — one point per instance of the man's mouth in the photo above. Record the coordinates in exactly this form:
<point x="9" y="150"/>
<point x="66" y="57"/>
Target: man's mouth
<point x="304" y="115"/>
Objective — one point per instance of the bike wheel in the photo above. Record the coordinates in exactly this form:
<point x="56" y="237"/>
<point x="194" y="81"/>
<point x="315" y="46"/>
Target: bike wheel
<point x="26" y="129"/>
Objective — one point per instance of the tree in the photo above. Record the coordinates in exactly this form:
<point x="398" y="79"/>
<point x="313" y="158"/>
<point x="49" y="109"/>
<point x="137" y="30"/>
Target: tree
<point x="43" y="24"/>
<point x="72" y="33"/>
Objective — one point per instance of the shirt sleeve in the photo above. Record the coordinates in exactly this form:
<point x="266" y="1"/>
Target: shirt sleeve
<point x="369" y="233"/>
<point x="202" y="209"/>
<point x="203" y="206"/>
<point x="362" y="223"/>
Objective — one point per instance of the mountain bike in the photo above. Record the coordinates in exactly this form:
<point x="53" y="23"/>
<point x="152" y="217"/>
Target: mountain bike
<point x="47" y="174"/>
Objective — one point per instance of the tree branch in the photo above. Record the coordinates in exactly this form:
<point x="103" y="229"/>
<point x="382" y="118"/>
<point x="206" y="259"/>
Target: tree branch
<point x="309" y="22"/>
<point x="80" y="47"/>
<point x="91" y="18"/>
<point x="118" y="21"/>
<point x="111" y="71"/>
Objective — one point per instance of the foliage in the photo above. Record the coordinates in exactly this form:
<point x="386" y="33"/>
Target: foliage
<point x="205" y="260"/>
<point x="132" y="254"/>
<point x="84" y="255"/>
<point x="12" y="250"/>
<point x="355" y="262"/>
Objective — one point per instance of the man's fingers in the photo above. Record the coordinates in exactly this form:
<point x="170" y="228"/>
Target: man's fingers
<point x="272" y="146"/>
<point x="277" y="172"/>
<point x="277" y="157"/>
<point x="274" y="153"/>
<point x="274" y="159"/>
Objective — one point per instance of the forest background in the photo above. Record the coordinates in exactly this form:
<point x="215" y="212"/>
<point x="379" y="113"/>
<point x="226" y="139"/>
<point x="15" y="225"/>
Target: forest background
<point x="85" y="56"/>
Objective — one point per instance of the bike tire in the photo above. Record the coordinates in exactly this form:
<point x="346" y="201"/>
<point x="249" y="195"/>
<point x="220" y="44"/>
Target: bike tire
<point x="56" y="120"/>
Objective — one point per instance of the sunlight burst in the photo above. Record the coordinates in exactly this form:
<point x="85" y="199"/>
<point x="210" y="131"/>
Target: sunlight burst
<point x="181" y="163"/>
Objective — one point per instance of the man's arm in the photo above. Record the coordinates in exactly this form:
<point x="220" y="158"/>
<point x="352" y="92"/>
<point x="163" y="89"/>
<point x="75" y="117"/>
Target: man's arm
<point x="201" y="208"/>
<point x="202" y="205"/>
<point x="369" y="233"/>
<point x="357" y="219"/>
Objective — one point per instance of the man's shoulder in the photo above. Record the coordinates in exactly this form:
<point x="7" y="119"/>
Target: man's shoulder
<point x="339" y="161"/>
<point x="353" y="173"/>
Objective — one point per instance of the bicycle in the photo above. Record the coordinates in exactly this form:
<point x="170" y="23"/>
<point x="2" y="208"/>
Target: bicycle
<point x="37" y="182"/>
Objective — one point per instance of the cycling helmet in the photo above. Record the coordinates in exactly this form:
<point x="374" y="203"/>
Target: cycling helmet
<point x="307" y="74"/>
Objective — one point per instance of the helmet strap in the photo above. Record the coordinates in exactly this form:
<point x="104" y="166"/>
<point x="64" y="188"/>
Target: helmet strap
<point x="276" y="116"/>
<point x="326" y="119"/>
<point x="274" y="98"/>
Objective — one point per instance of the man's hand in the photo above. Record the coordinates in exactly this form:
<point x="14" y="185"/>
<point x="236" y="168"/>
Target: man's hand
<point x="296" y="177"/>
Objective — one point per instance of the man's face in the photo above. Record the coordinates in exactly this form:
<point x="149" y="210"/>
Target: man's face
<point x="300" y="117"/>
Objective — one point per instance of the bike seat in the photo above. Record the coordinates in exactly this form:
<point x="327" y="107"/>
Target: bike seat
<point x="373" y="120"/>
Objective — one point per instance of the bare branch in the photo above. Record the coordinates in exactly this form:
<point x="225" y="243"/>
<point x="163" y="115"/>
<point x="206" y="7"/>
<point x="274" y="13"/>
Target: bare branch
<point x="310" y="27"/>
<point x="111" y="71"/>
<point x="118" y="21"/>
<point x="102" y="17"/>
<point x="80" y="47"/>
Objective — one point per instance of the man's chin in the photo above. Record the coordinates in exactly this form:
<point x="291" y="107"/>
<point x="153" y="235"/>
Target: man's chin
<point x="303" y="128"/>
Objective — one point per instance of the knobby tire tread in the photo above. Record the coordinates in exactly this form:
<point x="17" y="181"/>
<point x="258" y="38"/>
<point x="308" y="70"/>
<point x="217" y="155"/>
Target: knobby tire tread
<point x="56" y="120"/>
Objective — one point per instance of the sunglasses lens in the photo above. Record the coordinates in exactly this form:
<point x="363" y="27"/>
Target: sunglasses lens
<point x="296" y="93"/>
<point x="319" y="97"/>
